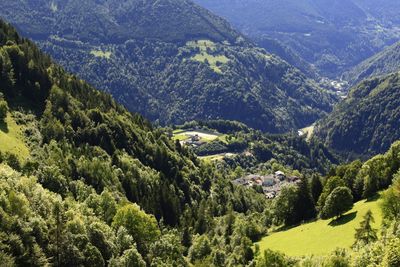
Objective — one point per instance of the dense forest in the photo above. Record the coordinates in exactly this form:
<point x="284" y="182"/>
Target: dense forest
<point x="201" y="69"/>
<point x="333" y="36"/>
<point x="90" y="160"/>
<point x="381" y="64"/>
<point x="367" y="122"/>
<point x="103" y="187"/>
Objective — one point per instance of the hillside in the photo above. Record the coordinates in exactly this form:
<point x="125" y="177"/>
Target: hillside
<point x="367" y="122"/>
<point x="84" y="182"/>
<point x="113" y="22"/>
<point x="179" y="63"/>
<point x="322" y="237"/>
<point x="331" y="35"/>
<point x="383" y="63"/>
<point x="73" y="162"/>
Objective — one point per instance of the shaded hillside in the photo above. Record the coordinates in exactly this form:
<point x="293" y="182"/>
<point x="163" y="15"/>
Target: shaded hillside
<point x="383" y="63"/>
<point x="332" y="35"/>
<point x="205" y="71"/>
<point x="116" y="21"/>
<point x="368" y="121"/>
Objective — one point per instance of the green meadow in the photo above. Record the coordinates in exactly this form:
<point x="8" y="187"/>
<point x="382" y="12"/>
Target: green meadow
<point x="206" y="49"/>
<point x="322" y="236"/>
<point x="12" y="139"/>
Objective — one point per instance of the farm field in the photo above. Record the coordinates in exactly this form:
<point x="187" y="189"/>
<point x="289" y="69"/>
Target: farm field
<point x="322" y="237"/>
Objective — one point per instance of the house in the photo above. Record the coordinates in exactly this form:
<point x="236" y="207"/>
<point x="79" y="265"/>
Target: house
<point x="195" y="138"/>
<point x="280" y="175"/>
<point x="271" y="184"/>
<point x="270" y="195"/>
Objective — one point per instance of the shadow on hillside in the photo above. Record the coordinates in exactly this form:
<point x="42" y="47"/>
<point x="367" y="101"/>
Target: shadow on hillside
<point x="344" y="219"/>
<point x="374" y="198"/>
<point x="3" y="127"/>
<point x="286" y="228"/>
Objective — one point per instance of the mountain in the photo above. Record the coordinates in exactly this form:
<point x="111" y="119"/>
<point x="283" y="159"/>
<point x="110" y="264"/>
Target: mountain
<point x="113" y="22"/>
<point x="83" y="182"/>
<point x="367" y="122"/>
<point x="331" y="35"/>
<point x="172" y="61"/>
<point x="383" y="63"/>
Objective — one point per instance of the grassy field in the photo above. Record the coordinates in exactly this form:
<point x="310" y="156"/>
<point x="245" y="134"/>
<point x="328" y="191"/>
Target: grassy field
<point x="322" y="236"/>
<point x="100" y="53"/>
<point x="182" y="135"/>
<point x="12" y="139"/>
<point x="206" y="47"/>
<point x="308" y="131"/>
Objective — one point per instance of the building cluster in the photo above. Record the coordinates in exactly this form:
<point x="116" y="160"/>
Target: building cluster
<point x="193" y="140"/>
<point x="271" y="184"/>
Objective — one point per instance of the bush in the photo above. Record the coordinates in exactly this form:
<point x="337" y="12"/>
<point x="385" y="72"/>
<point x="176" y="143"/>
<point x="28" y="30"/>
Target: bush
<point x="3" y="109"/>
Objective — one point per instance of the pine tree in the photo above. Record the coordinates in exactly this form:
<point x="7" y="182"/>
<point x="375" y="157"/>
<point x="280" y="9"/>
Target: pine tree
<point x="316" y="187"/>
<point x="365" y="234"/>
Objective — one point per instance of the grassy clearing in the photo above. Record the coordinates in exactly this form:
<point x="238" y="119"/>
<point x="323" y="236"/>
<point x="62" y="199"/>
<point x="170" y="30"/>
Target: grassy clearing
<point x="100" y="53"/>
<point x="204" y="135"/>
<point x="206" y="47"/>
<point x="212" y="158"/>
<point x="217" y="157"/>
<point x="12" y="139"/>
<point x="223" y="138"/>
<point x="308" y="131"/>
<point x="322" y="237"/>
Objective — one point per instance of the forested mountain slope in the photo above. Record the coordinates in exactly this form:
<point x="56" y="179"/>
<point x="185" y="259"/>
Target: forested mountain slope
<point x="172" y="61"/>
<point x="383" y="63"/>
<point x="69" y="200"/>
<point x="368" y="121"/>
<point x="117" y="21"/>
<point x="332" y="35"/>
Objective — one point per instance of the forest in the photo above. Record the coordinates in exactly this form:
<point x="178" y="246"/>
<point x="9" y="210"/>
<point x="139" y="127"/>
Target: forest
<point x="104" y="187"/>
<point x="366" y="122"/>
<point x="200" y="70"/>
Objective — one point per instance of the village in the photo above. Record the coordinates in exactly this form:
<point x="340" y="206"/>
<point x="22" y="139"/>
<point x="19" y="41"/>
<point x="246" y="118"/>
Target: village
<point x="271" y="184"/>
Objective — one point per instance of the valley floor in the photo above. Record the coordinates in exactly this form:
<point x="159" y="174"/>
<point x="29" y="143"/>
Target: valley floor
<point x="323" y="236"/>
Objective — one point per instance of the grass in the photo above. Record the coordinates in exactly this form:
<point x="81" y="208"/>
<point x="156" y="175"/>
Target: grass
<point x="204" y="135"/>
<point x="206" y="47"/>
<point x="211" y="158"/>
<point x="12" y="139"/>
<point x="323" y="236"/>
<point x="308" y="131"/>
<point x="100" y="53"/>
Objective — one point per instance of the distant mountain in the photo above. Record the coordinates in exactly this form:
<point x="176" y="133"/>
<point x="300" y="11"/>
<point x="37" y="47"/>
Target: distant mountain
<point x="288" y="54"/>
<point x="117" y="21"/>
<point x="368" y="121"/>
<point x="383" y="63"/>
<point x="172" y="61"/>
<point x="332" y="35"/>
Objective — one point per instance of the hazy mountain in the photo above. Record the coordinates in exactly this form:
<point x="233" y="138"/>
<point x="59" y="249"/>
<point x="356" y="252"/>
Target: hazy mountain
<point x="143" y="53"/>
<point x="383" y="63"/>
<point x="332" y="35"/>
<point x="368" y="121"/>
